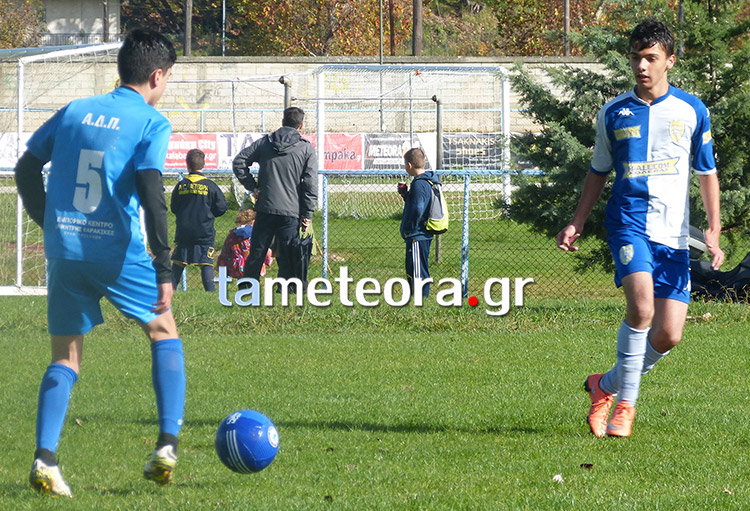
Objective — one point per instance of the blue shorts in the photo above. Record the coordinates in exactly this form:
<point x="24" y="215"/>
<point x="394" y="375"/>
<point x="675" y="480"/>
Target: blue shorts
<point x="198" y="255"/>
<point x="669" y="267"/>
<point x="75" y="288"/>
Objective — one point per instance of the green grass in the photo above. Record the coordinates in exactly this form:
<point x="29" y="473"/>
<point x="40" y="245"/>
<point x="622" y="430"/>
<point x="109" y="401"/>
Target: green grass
<point x="384" y="408"/>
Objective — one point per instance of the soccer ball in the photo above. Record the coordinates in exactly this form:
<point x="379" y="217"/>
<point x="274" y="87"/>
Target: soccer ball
<point x="247" y="441"/>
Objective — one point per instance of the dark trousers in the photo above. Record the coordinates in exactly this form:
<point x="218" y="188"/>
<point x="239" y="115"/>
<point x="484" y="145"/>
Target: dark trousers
<point x="417" y="257"/>
<point x="207" y="276"/>
<point x="285" y="229"/>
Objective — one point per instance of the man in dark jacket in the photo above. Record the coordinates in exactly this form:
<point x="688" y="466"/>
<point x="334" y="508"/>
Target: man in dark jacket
<point x="286" y="190"/>
<point x="416" y="210"/>
<point x="196" y="201"/>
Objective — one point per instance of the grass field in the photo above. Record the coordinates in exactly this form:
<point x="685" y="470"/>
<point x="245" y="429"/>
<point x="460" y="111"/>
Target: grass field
<point x="385" y="408"/>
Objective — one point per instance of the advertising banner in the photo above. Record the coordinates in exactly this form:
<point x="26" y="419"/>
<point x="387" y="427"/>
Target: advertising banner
<point x="181" y="143"/>
<point x="473" y="150"/>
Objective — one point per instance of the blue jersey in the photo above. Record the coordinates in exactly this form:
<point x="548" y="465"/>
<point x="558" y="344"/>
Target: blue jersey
<point x="96" y="145"/>
<point x="652" y="149"/>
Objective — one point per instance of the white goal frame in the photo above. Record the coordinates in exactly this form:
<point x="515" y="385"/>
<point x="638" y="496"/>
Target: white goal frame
<point x="19" y="289"/>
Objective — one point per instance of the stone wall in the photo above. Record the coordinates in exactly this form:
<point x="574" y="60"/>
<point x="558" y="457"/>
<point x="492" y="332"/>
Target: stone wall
<point x="203" y="90"/>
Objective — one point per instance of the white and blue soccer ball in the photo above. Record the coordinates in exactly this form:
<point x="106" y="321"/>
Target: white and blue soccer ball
<point x="247" y="441"/>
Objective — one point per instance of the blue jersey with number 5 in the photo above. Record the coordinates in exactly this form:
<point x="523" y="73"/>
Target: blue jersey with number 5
<point x="96" y="145"/>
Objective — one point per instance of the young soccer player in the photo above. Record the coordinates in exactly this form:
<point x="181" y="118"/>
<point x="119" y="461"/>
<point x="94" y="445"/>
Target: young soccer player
<point x="196" y="202"/>
<point x="651" y="136"/>
<point x="416" y="209"/>
<point x="107" y="153"/>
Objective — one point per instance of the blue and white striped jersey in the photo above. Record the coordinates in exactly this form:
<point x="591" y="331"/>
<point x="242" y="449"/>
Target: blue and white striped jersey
<point x="652" y="149"/>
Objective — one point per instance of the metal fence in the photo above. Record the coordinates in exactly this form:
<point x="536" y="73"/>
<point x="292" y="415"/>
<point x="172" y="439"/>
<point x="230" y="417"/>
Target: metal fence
<point x="365" y="116"/>
<point x="357" y="228"/>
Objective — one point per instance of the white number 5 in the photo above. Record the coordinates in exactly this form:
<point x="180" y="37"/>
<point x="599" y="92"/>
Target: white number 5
<point x="88" y="192"/>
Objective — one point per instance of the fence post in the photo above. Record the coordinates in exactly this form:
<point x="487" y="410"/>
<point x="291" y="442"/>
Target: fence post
<point x="438" y="164"/>
<point x="465" y="236"/>
<point x="324" y="228"/>
<point x="287" y="83"/>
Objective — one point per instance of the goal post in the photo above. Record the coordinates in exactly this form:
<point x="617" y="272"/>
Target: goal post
<point x="460" y="116"/>
<point x="39" y="91"/>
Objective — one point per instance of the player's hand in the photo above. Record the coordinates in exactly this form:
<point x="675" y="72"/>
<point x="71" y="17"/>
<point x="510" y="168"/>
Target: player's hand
<point x="305" y="222"/>
<point x="712" y="244"/>
<point x="164" y="301"/>
<point x="402" y="189"/>
<point x="567" y="237"/>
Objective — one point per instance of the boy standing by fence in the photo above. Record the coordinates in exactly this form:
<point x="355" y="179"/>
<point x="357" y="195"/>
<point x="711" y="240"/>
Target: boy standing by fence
<point x="196" y="202"/>
<point x="416" y="208"/>
<point x="651" y="136"/>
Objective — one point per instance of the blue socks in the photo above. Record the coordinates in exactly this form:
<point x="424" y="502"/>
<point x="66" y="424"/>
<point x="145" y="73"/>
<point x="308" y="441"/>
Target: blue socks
<point x="168" y="375"/>
<point x="54" y="395"/>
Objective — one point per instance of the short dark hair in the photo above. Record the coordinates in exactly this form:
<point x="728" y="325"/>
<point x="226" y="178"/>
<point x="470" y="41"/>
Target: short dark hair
<point x="293" y="117"/>
<point x="143" y="52"/>
<point x="195" y="159"/>
<point x="416" y="157"/>
<point x="651" y="31"/>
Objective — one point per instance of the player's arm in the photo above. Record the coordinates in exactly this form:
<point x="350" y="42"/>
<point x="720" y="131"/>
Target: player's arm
<point x="592" y="190"/>
<point x="241" y="165"/>
<point x="218" y="202"/>
<point x="415" y="207"/>
<point x="309" y="189"/>
<point x="30" y="185"/>
<point x="151" y="192"/>
<point x="710" y="194"/>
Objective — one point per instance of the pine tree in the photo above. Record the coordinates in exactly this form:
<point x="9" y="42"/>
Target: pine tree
<point x="713" y="63"/>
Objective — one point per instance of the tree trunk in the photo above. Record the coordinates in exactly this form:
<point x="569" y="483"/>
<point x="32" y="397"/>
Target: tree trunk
<point x="105" y="21"/>
<point x="188" y="27"/>
<point x="391" y="21"/>
<point x="416" y="42"/>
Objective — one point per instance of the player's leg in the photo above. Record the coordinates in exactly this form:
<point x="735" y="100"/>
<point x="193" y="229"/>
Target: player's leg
<point x="179" y="262"/>
<point x="424" y="267"/>
<point x="634" y="263"/>
<point x="412" y="262"/>
<point x="207" y="277"/>
<point x="671" y="289"/>
<point x="287" y="234"/>
<point x="133" y="292"/>
<point x="260" y="240"/>
<point x="168" y="378"/>
<point x="54" y="397"/>
<point x="666" y="331"/>
<point x="631" y="350"/>
<point x="177" y="269"/>
<point x="72" y="311"/>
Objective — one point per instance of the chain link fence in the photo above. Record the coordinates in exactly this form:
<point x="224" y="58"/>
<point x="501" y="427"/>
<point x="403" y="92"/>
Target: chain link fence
<point x="366" y="116"/>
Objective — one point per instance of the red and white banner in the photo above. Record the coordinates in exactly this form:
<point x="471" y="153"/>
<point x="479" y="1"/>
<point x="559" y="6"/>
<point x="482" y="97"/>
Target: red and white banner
<point x="181" y="143"/>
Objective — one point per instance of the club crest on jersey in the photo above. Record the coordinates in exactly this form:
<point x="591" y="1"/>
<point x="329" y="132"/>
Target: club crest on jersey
<point x="626" y="254"/>
<point x="676" y="130"/>
<point x="666" y="167"/>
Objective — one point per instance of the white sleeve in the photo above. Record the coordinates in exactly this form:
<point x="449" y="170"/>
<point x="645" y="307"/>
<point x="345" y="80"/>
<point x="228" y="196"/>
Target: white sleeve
<point x="601" y="162"/>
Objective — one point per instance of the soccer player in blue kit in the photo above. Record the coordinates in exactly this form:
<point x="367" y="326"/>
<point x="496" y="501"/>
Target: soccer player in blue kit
<point x="107" y="153"/>
<point x="651" y="136"/>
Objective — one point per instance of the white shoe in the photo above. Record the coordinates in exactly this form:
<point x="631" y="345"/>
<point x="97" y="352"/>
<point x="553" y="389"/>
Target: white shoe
<point x="48" y="480"/>
<point x="161" y="465"/>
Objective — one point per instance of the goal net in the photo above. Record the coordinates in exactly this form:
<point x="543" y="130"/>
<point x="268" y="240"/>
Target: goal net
<point x="38" y="82"/>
